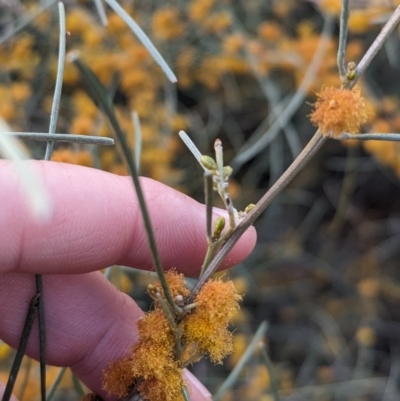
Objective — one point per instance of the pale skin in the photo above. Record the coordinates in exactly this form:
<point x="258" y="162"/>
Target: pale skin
<point x="96" y="223"/>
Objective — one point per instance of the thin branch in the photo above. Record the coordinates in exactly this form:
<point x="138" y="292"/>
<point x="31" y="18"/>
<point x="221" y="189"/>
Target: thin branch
<point x="22" y="22"/>
<point x="377" y="44"/>
<point x="367" y="137"/>
<point x="315" y="143"/>
<point x="171" y="320"/>
<point x="344" y="24"/>
<point x="287" y="110"/>
<point x="138" y="139"/>
<point x="231" y="379"/>
<point x="43" y="136"/>
<point x="25" y="381"/>
<point x="42" y="336"/>
<point x="101" y="11"/>
<point x="60" y="75"/>
<point x="49" y="150"/>
<point x="209" y="192"/>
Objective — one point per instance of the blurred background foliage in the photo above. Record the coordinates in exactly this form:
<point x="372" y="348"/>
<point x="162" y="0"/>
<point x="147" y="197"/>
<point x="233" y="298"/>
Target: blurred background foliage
<point x="325" y="273"/>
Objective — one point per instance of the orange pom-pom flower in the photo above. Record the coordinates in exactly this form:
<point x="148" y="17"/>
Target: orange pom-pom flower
<point x="339" y="110"/>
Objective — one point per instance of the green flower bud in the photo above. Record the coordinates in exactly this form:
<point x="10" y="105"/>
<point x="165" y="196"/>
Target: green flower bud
<point x="351" y="75"/>
<point x="227" y="171"/>
<point x="208" y="162"/>
<point x="249" y="208"/>
<point x="219" y="225"/>
<point x="351" y="70"/>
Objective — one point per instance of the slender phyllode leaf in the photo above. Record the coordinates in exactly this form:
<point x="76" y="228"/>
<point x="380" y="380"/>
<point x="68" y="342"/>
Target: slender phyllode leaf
<point x="143" y="38"/>
<point x="44" y="136"/>
<point x="100" y="96"/>
<point x="138" y="139"/>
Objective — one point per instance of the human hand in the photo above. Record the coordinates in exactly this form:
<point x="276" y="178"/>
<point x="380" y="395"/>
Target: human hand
<point x="96" y="223"/>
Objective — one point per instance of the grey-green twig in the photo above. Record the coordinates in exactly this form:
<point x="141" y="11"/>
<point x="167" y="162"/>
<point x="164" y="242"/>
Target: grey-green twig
<point x="370" y="136"/>
<point x="377" y="44"/>
<point x="341" y="62"/>
<point x="43" y="136"/>
<point x="308" y="152"/>
<point x="312" y="147"/>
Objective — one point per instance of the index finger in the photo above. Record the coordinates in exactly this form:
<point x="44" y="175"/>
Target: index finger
<point x="97" y="223"/>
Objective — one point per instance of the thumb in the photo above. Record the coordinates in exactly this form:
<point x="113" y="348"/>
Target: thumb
<point x="197" y="391"/>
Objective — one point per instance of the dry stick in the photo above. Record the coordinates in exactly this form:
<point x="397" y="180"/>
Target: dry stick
<point x="315" y="143"/>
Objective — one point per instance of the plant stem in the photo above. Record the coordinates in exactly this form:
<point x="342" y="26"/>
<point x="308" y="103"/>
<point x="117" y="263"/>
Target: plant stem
<point x="315" y="143"/>
<point x="42" y="336"/>
<point x="213" y="248"/>
<point x="21" y="348"/>
<point x="138" y="139"/>
<point x="192" y="359"/>
<point x="341" y="63"/>
<point x="263" y="136"/>
<point x="172" y="323"/>
<point x="209" y="192"/>
<point x="39" y="136"/>
<point x="25" y="381"/>
<point x="367" y="137"/>
<point x="377" y="44"/>
<point x="99" y="94"/>
<point x="59" y="80"/>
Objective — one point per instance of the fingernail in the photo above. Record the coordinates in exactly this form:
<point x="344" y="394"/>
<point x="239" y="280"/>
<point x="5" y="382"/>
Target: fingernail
<point x="197" y="386"/>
